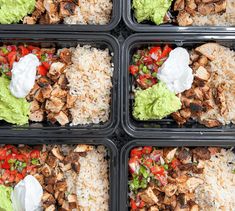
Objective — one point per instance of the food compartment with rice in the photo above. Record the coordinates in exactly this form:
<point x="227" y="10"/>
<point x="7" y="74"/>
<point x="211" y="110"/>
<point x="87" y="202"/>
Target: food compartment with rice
<point x="60" y="83"/>
<point x="161" y="175"/>
<point x="80" y="175"/>
<point x="177" y="15"/>
<point x="178" y="84"/>
<point x="84" y="15"/>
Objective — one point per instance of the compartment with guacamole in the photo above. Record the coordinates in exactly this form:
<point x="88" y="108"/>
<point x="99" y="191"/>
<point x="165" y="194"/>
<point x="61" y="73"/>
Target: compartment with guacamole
<point x="186" y="86"/>
<point x="183" y="12"/>
<point x="54" y="12"/>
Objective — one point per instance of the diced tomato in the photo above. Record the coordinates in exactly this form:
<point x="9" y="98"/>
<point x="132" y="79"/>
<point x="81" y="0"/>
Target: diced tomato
<point x="133" y="69"/>
<point x="158" y="170"/>
<point x="147" y="150"/>
<point x="166" y="51"/>
<point x="3" y="153"/>
<point x="174" y="163"/>
<point x="11" y="58"/>
<point x="6" y="175"/>
<point x="148" y="60"/>
<point x="11" y="178"/>
<point x="35" y="154"/>
<point x="21" y="158"/>
<point x="31" y="48"/>
<point x="6" y="165"/>
<point x="18" y="177"/>
<point x="155" y="53"/>
<point x="24" y="50"/>
<point x="29" y="169"/>
<point x="148" y="163"/>
<point x="42" y="70"/>
<point x="136" y="152"/>
<point x="141" y="204"/>
<point x="134" y="165"/>
<point x="46" y="65"/>
<point x="133" y="205"/>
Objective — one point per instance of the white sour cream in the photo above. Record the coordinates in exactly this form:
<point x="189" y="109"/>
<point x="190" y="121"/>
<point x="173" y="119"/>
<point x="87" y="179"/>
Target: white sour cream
<point x="175" y="71"/>
<point x="24" y="75"/>
<point x="27" y="195"/>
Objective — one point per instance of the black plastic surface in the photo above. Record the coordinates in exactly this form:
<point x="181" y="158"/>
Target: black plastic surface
<point x="166" y="127"/>
<point x="112" y="157"/>
<point x="124" y="200"/>
<point x="115" y="18"/>
<point x="131" y="22"/>
<point x="59" y="41"/>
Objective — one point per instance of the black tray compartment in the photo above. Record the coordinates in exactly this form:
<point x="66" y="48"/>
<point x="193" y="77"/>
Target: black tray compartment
<point x="115" y="18"/>
<point x="131" y="22"/>
<point x="166" y="127"/>
<point x="101" y="41"/>
<point x="124" y="199"/>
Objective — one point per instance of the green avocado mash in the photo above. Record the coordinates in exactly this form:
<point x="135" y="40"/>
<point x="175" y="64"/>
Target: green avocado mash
<point x="12" y="109"/>
<point x="155" y="102"/>
<point x="5" y="198"/>
<point x="12" y="11"/>
<point x="152" y="10"/>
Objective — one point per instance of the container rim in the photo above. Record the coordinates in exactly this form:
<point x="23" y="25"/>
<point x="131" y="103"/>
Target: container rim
<point x="108" y="143"/>
<point x="115" y="19"/>
<point x="73" y="131"/>
<point x="172" y="133"/>
<point x="127" y="17"/>
<point x="161" y="143"/>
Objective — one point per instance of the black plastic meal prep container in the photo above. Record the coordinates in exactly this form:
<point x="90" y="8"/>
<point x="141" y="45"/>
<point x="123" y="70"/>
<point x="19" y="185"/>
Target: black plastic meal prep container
<point x="166" y="128"/>
<point x="115" y="18"/>
<point x="125" y="152"/>
<point x="112" y="157"/>
<point x="101" y="41"/>
<point x="147" y="26"/>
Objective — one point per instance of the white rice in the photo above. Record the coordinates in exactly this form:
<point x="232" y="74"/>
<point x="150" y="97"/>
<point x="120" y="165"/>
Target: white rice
<point x="93" y="182"/>
<point x="97" y="12"/>
<point x="218" y="191"/>
<point x="89" y="79"/>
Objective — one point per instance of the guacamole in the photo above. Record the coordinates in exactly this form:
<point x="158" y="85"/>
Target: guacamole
<point x="155" y="102"/>
<point x="12" y="109"/>
<point x="152" y="10"/>
<point x="12" y="11"/>
<point x="5" y="198"/>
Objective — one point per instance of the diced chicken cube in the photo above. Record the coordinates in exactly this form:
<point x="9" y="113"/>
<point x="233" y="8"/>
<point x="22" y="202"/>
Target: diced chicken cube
<point x="54" y="105"/>
<point x="83" y="148"/>
<point x="56" y="152"/>
<point x="184" y="19"/>
<point x="149" y="197"/>
<point x="193" y="182"/>
<point x="61" y="118"/>
<point x="37" y="116"/>
<point x="202" y="74"/>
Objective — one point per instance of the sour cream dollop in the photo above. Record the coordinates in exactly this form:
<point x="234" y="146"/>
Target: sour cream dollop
<point x="175" y="71"/>
<point x="24" y="75"/>
<point x="27" y="195"/>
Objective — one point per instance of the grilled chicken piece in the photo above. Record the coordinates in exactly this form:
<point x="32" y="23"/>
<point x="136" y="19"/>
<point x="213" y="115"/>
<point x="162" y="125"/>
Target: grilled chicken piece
<point x="198" y="94"/>
<point x="50" y="6"/>
<point x="178" y="118"/>
<point x="51" y="118"/>
<point x="37" y="116"/>
<point x="185" y="113"/>
<point x="201" y="153"/>
<point x="40" y="178"/>
<point x="51" y="180"/>
<point x="220" y="6"/>
<point x="202" y="74"/>
<point x="184" y="18"/>
<point x="76" y="167"/>
<point x="48" y="50"/>
<point x="203" y="61"/>
<point x="195" y="207"/>
<point x="58" y="92"/>
<point x="61" y="186"/>
<point x="51" y="160"/>
<point x="61" y="118"/>
<point x="54" y="105"/>
<point x="179" y="5"/>
<point x="65" y="206"/>
<point x="56" y="152"/>
<point x="170" y="189"/>
<point x="221" y="100"/>
<point x="211" y="123"/>
<point x="38" y="96"/>
<point x="72" y="199"/>
<point x="153" y="208"/>
<point x="190" y="7"/>
<point x="185" y="156"/>
<point x="206" y="9"/>
<point x="29" y="20"/>
<point x="67" y="9"/>
<point x="46" y="170"/>
<point x="83" y="148"/>
<point x="209" y="50"/>
<point x="46" y="91"/>
<point x="48" y="199"/>
<point x="65" y="55"/>
<point x="51" y="208"/>
<point x="34" y="106"/>
<point x="49" y="189"/>
<point x="62" y="81"/>
<point x="56" y="70"/>
<point x="149" y="197"/>
<point x="71" y="100"/>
